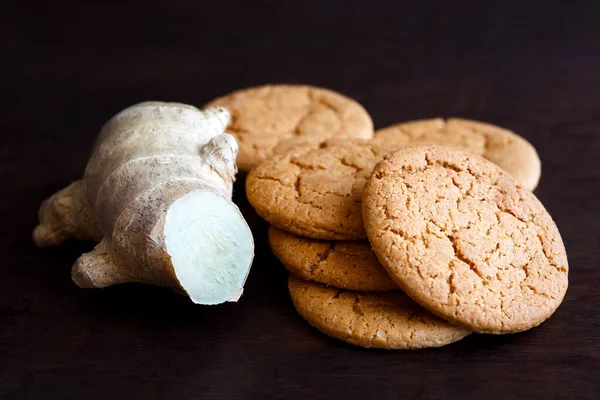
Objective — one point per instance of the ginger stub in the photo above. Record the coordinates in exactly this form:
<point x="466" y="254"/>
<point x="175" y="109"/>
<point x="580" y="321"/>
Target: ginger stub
<point x="156" y="195"/>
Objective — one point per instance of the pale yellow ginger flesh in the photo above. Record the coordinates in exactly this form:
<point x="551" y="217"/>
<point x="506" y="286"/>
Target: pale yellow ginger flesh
<point x="156" y="195"/>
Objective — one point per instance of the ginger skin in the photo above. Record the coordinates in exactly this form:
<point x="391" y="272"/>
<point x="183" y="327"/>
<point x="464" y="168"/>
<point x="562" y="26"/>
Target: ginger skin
<point x="156" y="195"/>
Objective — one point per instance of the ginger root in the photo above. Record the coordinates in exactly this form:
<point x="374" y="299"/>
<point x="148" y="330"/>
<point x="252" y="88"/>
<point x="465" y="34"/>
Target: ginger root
<point x="156" y="194"/>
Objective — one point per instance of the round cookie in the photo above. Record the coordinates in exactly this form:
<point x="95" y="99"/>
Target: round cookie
<point x="315" y="191"/>
<point x="344" y="265"/>
<point x="379" y="320"/>
<point x="506" y="149"/>
<point x="464" y="239"/>
<point x="263" y="116"/>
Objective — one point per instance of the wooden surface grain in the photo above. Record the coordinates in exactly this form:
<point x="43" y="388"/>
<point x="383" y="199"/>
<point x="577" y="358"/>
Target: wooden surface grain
<point x="66" y="67"/>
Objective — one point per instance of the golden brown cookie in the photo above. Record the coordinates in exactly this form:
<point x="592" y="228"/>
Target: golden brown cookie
<point x="379" y="320"/>
<point x="506" y="149"/>
<point x="315" y="191"/>
<point x="464" y="239"/>
<point x="263" y="116"/>
<point x="341" y="264"/>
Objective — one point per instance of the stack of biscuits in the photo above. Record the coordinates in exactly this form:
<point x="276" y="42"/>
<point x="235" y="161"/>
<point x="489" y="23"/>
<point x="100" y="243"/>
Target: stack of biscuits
<point x="409" y="237"/>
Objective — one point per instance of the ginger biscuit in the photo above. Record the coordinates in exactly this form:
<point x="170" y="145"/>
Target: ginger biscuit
<point x="464" y="239"/>
<point x="315" y="191"/>
<point x="341" y="264"/>
<point x="263" y="116"/>
<point x="379" y="320"/>
<point x="504" y="148"/>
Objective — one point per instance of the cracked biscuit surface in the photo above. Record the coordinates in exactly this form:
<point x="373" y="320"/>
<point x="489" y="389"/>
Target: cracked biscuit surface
<point x="315" y="191"/>
<point x="263" y="117"/>
<point x="340" y="264"/>
<point x="504" y="148"/>
<point x="464" y="239"/>
<point x="379" y="320"/>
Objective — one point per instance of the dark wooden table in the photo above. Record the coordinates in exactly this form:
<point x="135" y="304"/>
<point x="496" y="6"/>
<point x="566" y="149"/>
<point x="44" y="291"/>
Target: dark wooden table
<point x="66" y="68"/>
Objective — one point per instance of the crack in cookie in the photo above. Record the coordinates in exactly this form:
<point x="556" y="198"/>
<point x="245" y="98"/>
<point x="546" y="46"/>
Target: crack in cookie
<point x="315" y="190"/>
<point x="506" y="149"/>
<point x="474" y="254"/>
<point x="264" y="116"/>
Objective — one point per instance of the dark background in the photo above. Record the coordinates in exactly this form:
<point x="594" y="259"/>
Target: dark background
<point x="66" y="67"/>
